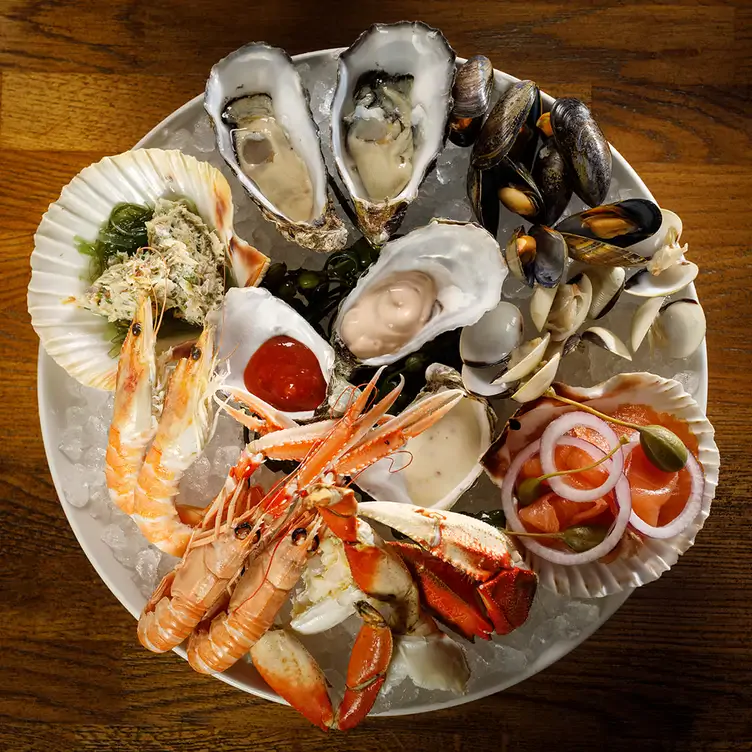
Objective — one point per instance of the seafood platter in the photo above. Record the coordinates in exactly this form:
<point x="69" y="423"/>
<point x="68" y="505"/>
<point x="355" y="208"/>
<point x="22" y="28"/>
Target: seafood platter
<point x="373" y="380"/>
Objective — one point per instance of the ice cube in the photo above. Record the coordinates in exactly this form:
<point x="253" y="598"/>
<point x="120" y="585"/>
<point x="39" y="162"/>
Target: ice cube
<point x="181" y="139"/>
<point x="94" y="457"/>
<point x="147" y="562"/>
<point x="100" y="505"/>
<point x="77" y="495"/>
<point x="203" y="135"/>
<point x="224" y="458"/>
<point x="95" y="432"/>
<point x="71" y="442"/>
<point x="75" y="416"/>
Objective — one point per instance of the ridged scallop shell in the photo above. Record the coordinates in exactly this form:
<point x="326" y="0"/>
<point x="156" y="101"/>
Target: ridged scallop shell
<point x="654" y="557"/>
<point x="77" y="339"/>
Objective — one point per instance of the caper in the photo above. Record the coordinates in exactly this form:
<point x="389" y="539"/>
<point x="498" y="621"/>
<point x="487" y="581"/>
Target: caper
<point x="308" y="280"/>
<point x="663" y="448"/>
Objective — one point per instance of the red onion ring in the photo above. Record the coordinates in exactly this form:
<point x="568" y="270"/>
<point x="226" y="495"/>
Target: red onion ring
<point x="551" y="438"/>
<point x="623" y="500"/>
<point x="691" y="509"/>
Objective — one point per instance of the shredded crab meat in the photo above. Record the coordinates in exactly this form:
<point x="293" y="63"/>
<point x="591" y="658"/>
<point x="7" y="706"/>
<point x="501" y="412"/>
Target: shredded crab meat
<point x="182" y="267"/>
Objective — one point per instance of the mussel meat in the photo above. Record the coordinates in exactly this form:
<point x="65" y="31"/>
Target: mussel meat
<point x="537" y="256"/>
<point x="517" y="190"/>
<point x="603" y="235"/>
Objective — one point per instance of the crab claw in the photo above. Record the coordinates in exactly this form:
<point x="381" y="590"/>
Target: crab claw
<point x="508" y="597"/>
<point x="292" y="672"/>
<point x="451" y="595"/>
<point x="366" y="671"/>
<point x="472" y="546"/>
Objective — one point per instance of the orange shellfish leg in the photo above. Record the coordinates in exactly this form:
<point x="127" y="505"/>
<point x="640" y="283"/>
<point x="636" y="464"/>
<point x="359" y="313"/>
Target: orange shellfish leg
<point x="366" y="671"/>
<point x="341" y="516"/>
<point x="292" y="672"/>
<point x="508" y="597"/>
<point x="450" y="594"/>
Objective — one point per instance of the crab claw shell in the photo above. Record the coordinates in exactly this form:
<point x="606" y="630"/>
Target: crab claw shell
<point x="472" y="546"/>
<point x="327" y="614"/>
<point x="508" y="598"/>
<point x="292" y="672"/>
<point x="77" y="339"/>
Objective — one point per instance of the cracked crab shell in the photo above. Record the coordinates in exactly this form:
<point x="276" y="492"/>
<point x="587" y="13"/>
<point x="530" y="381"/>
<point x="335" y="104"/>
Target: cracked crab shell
<point x="258" y="68"/>
<point x="654" y="556"/>
<point x="77" y="339"/>
<point x="412" y="49"/>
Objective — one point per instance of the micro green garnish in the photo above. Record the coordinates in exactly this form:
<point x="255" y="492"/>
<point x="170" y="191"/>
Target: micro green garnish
<point x="531" y="489"/>
<point x="579" y="538"/>
<point x="661" y="446"/>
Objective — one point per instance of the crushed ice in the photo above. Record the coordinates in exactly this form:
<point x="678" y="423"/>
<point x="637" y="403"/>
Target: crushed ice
<point x="553" y="618"/>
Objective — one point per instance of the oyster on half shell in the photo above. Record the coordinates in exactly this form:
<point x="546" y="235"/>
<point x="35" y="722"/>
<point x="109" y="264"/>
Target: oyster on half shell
<point x="456" y="266"/>
<point x="389" y="119"/>
<point x="438" y="466"/>
<point x="259" y="109"/>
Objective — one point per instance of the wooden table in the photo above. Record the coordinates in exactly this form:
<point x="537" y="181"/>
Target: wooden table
<point x="670" y="85"/>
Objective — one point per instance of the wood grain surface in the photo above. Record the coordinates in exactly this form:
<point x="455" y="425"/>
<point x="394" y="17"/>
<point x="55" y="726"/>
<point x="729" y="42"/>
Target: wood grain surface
<point x="670" y="84"/>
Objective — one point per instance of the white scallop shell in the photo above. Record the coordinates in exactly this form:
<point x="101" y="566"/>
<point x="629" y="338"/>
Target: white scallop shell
<point x="78" y="339"/>
<point x="654" y="557"/>
<point x="464" y="261"/>
<point x="251" y="316"/>
<point x="384" y="480"/>
<point x="397" y="49"/>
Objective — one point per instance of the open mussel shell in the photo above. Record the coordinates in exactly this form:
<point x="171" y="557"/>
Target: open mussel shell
<point x="646" y="285"/>
<point x="608" y="284"/>
<point x="680" y="327"/>
<point x="473" y="86"/>
<point x="606" y="340"/>
<point x="603" y="235"/>
<point x="517" y="190"/>
<point x="259" y="69"/>
<point x="551" y="175"/>
<point x="394" y="51"/>
<point x="481" y="190"/>
<point x="491" y="339"/>
<point x="584" y="147"/>
<point x="504" y="124"/>
<point x="538" y="256"/>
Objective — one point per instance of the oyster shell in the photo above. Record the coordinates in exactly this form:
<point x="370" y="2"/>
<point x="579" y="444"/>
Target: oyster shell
<point x="389" y="119"/>
<point x="438" y="466"/>
<point x="654" y="556"/>
<point x="77" y="339"/>
<point x="259" y="109"/>
<point x="463" y="261"/>
<point x="270" y="317"/>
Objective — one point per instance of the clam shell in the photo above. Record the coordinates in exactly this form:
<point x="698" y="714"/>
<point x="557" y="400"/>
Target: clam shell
<point x="654" y="557"/>
<point x="384" y="481"/>
<point x="539" y="381"/>
<point x="608" y="284"/>
<point x="646" y="285"/>
<point x="79" y="340"/>
<point x="465" y="263"/>
<point x="680" y="327"/>
<point x="396" y="49"/>
<point x="607" y="340"/>
<point x="258" y="68"/>
<point x="250" y="316"/>
<point x="490" y="340"/>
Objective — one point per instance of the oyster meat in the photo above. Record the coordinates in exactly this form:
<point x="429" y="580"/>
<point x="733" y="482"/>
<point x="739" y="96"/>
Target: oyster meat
<point x="457" y="267"/>
<point x="389" y="119"/>
<point x="265" y="133"/>
<point x="440" y="464"/>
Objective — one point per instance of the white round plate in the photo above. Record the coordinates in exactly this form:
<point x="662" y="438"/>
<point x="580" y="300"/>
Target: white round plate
<point x="548" y="637"/>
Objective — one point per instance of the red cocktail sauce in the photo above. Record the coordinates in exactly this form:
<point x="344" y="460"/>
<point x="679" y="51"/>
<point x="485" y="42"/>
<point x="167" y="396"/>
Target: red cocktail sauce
<point x="286" y="374"/>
